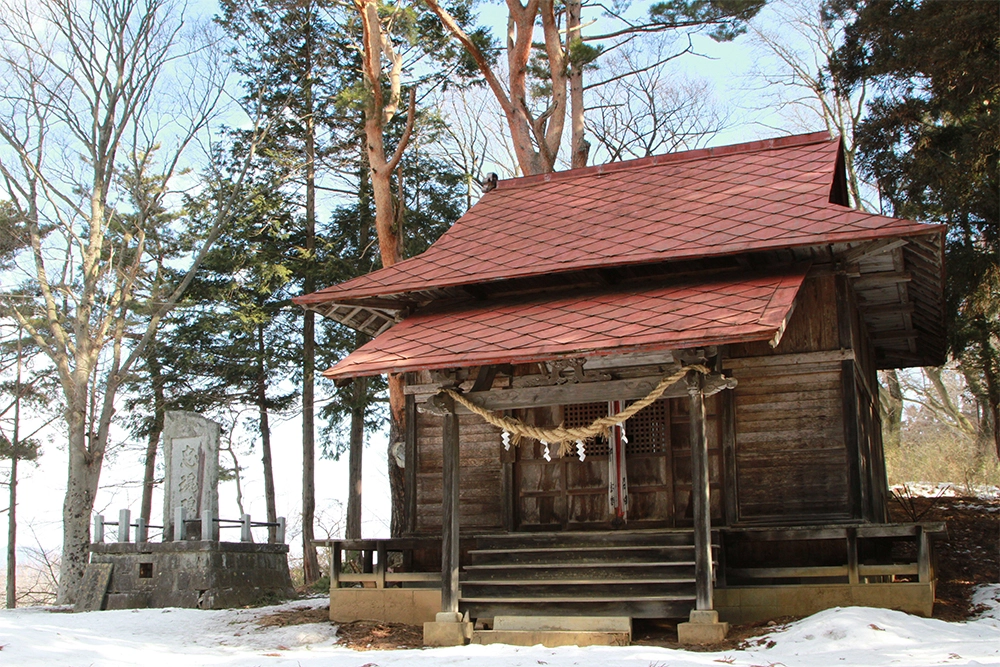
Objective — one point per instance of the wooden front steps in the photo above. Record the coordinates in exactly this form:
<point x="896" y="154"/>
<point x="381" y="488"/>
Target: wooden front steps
<point x="642" y="574"/>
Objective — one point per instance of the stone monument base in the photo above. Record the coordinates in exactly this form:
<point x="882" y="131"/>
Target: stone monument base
<point x="194" y="574"/>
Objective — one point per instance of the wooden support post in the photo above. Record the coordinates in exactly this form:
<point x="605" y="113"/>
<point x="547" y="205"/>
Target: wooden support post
<point x="335" y="565"/>
<point x="923" y="556"/>
<point x="124" y="524"/>
<point x="449" y="510"/>
<point x="853" y="576"/>
<point x="380" y="565"/>
<point x="98" y="528"/>
<point x="700" y="495"/>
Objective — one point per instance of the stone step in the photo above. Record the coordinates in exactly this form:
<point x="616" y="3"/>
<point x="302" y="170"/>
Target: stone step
<point x="552" y="631"/>
<point x="671" y="606"/>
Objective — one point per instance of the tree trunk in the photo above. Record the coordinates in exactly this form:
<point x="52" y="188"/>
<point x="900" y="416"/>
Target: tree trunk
<point x="579" y="146"/>
<point x="159" y="406"/>
<point x="379" y="111"/>
<point x="81" y="489"/>
<point x="355" y="451"/>
<point x="535" y="140"/>
<point x="397" y="477"/>
<point x="12" y="501"/>
<point x="265" y="437"/>
<point x="310" y="561"/>
<point x="12" y="528"/>
<point x="891" y="403"/>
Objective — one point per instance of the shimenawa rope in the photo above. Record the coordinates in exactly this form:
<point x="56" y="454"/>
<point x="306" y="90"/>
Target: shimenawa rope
<point x="566" y="437"/>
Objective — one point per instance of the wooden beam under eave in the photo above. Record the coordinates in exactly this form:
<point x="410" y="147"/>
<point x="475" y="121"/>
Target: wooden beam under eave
<point x="881" y="279"/>
<point x="587" y="392"/>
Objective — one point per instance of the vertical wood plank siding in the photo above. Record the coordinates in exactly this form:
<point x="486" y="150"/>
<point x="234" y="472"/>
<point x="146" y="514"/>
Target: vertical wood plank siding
<point x="791" y="457"/>
<point x="480" y="492"/>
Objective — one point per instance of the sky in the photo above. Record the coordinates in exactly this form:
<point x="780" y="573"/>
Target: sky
<point x="41" y="487"/>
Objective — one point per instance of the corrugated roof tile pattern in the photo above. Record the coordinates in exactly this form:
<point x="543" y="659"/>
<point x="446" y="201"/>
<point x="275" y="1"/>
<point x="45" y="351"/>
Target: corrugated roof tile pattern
<point x="588" y="324"/>
<point x="709" y="202"/>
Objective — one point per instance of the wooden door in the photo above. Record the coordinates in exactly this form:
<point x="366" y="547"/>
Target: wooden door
<point x="568" y="494"/>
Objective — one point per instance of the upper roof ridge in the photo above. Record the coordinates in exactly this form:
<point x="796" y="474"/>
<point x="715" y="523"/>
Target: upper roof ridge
<point x="668" y="158"/>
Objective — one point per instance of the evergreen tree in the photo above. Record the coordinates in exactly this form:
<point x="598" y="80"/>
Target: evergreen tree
<point x="931" y="140"/>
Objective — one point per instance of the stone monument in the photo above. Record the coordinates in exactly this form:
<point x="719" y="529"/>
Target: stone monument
<point x="191" y="458"/>
<point x="192" y="566"/>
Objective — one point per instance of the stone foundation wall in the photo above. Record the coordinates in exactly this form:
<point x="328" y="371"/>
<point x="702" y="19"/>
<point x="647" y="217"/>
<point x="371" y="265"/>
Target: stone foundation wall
<point x="760" y="603"/>
<point x="413" y="606"/>
<point x="202" y="575"/>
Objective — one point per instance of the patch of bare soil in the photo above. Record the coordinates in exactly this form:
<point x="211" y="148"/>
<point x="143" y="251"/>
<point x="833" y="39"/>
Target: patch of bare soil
<point x="360" y="635"/>
<point x="969" y="556"/>
<point x="297" y="616"/>
<point x="648" y="632"/>
<point x="375" y="636"/>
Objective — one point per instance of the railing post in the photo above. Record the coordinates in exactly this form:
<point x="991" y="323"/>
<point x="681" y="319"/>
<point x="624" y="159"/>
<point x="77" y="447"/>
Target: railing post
<point x="279" y="535"/>
<point x="180" y="530"/>
<point x="380" y="565"/>
<point x="124" y="519"/>
<point x="245" y="534"/>
<point x="99" y="528"/>
<point x="853" y="577"/>
<point x="923" y="556"/>
<point x="209" y="529"/>
<point x="335" y="564"/>
<point x="141" y="530"/>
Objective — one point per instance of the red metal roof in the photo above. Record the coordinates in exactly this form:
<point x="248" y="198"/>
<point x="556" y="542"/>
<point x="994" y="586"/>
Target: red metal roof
<point x="709" y="312"/>
<point x="710" y="202"/>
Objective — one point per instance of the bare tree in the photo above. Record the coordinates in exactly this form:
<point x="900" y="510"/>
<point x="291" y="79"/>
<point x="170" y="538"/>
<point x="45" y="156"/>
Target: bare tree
<point x="639" y="109"/>
<point x="95" y="88"/>
<point x="794" y="74"/>
<point x="25" y="401"/>
<point x="535" y="134"/>
<point x="472" y="138"/>
<point x="536" y="122"/>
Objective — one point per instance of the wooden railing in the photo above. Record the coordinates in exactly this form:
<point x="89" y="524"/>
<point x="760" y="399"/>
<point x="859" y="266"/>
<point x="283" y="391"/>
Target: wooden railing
<point x="852" y="570"/>
<point x="373" y="561"/>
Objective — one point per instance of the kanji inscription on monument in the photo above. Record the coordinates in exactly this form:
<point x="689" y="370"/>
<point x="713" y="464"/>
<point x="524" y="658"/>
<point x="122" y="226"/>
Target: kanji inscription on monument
<point x="191" y="459"/>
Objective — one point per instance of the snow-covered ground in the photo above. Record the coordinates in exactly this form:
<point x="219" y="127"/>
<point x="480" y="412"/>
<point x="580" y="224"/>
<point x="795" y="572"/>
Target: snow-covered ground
<point x="855" y="637"/>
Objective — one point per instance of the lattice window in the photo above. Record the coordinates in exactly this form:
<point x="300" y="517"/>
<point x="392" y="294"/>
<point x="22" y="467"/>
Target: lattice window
<point x="648" y="430"/>
<point x="584" y="414"/>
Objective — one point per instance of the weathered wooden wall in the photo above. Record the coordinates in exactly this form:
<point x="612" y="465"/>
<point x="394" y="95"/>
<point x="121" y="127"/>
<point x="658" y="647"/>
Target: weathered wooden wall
<point x="798" y="441"/>
<point x="807" y="436"/>
<point x="480" y="496"/>
<point x="791" y="457"/>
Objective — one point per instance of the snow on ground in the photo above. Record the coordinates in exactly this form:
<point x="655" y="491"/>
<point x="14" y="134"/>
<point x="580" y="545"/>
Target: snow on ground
<point x="947" y="489"/>
<point x="853" y="637"/>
